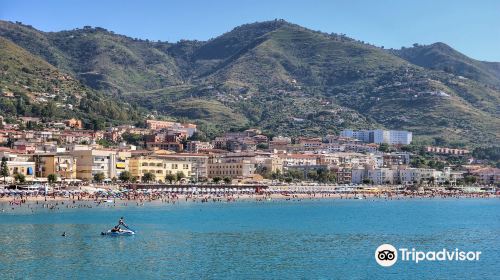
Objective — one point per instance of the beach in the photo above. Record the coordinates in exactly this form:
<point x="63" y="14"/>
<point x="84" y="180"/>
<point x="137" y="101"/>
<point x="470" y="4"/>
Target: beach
<point x="111" y="198"/>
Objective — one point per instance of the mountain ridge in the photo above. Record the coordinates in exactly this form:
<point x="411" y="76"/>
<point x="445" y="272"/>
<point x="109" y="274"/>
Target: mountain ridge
<point x="283" y="78"/>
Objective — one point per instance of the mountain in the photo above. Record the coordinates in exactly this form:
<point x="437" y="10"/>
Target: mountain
<point x="29" y="86"/>
<point x="283" y="78"/>
<point x="439" y="56"/>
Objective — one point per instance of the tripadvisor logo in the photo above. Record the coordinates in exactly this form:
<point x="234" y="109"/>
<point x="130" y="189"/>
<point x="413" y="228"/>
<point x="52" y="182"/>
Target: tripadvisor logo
<point x="387" y="255"/>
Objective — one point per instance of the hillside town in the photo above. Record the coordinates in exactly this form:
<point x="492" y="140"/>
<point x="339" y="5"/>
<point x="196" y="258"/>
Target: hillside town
<point x="169" y="152"/>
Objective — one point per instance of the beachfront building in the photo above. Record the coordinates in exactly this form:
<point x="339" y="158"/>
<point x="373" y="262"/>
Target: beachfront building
<point x="379" y="136"/>
<point x="357" y="175"/>
<point x="63" y="165"/>
<point x="407" y="176"/>
<point x="122" y="162"/>
<point x="232" y="167"/>
<point x="273" y="164"/>
<point x="138" y="166"/>
<point x="25" y="168"/>
<point x="378" y="176"/>
<point x="421" y="175"/>
<point x="381" y="176"/>
<point x="452" y="176"/>
<point x="158" y="166"/>
<point x="92" y="162"/>
<point x="199" y="163"/>
<point x="487" y="176"/>
<point x="18" y="164"/>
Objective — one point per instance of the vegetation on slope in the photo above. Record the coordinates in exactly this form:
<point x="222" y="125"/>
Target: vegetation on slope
<point x="283" y="78"/>
<point x="31" y="87"/>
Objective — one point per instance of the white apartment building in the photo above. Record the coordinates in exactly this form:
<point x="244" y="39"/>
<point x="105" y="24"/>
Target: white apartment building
<point x="411" y="175"/>
<point x="379" y="136"/>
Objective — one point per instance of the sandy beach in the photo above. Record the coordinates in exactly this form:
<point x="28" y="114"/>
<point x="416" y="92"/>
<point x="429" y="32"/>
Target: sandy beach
<point x="139" y="197"/>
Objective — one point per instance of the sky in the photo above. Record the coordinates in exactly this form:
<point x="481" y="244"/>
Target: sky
<point x="471" y="27"/>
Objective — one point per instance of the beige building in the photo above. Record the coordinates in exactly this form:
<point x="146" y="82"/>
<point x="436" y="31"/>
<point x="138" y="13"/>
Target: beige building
<point x="92" y="162"/>
<point x="488" y="175"/>
<point x="27" y="168"/>
<point x="273" y="164"/>
<point x="198" y="162"/>
<point x="122" y="162"/>
<point x="234" y="169"/>
<point x="160" y="167"/>
<point x="18" y="164"/>
<point x="63" y="165"/>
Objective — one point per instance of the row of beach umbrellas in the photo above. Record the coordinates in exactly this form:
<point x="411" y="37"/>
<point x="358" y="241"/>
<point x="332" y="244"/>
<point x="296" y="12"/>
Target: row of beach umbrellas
<point x="197" y="190"/>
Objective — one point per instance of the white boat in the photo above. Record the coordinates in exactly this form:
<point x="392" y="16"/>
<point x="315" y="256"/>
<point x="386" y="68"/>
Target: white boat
<point x="124" y="232"/>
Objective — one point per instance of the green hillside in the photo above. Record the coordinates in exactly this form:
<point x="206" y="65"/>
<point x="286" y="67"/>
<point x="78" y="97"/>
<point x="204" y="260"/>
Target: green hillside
<point x="283" y="78"/>
<point x="29" y="86"/>
<point x="439" y="56"/>
<point x="99" y="58"/>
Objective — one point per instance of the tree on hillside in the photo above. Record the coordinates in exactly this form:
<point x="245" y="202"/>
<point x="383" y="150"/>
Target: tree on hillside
<point x="134" y="139"/>
<point x="384" y="147"/>
<point x="199" y="136"/>
<point x="4" y="169"/>
<point x="262" y="146"/>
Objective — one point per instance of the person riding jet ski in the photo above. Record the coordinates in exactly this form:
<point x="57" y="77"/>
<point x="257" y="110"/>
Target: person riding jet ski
<point x="116" y="229"/>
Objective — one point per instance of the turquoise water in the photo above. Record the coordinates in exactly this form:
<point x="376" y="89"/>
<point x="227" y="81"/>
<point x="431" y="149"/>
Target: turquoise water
<point x="328" y="239"/>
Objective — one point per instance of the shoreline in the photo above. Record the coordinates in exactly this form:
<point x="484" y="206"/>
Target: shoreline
<point x="54" y="204"/>
<point x="18" y="199"/>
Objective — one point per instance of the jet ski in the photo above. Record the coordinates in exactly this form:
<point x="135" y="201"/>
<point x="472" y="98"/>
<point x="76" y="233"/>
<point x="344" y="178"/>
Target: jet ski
<point x="118" y="233"/>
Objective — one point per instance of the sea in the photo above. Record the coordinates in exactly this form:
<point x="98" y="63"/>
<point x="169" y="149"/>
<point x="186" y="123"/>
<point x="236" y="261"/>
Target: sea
<point x="278" y="239"/>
